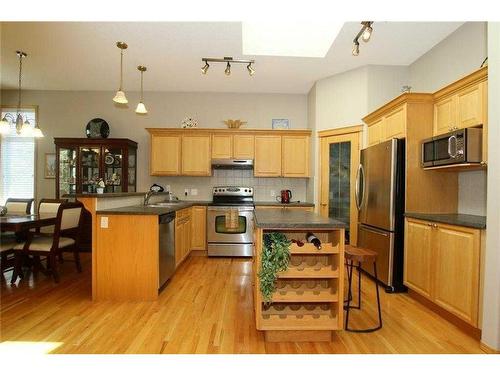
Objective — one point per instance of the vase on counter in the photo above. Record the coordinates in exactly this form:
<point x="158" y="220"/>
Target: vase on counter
<point x="100" y="190"/>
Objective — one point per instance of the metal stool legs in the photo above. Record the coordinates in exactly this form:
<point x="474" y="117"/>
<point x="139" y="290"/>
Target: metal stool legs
<point x="350" y="266"/>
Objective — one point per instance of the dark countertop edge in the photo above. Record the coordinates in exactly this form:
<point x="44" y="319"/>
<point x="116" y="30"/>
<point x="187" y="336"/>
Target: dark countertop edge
<point x="278" y="204"/>
<point x="106" y="195"/>
<point x="462" y="220"/>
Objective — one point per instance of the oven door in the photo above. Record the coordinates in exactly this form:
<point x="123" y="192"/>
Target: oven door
<point x="219" y="231"/>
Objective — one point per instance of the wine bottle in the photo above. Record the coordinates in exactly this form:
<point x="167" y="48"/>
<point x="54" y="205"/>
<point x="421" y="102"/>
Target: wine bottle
<point x="314" y="240"/>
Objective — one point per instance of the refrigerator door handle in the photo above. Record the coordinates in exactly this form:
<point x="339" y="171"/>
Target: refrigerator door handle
<point x="359" y="193"/>
<point x="368" y="229"/>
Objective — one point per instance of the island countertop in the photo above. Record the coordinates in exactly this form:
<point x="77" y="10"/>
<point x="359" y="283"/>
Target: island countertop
<point x="278" y="218"/>
<point x="470" y="221"/>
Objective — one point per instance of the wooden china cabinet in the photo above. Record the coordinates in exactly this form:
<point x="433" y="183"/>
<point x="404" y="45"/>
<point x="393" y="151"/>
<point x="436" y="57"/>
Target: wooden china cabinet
<point x="80" y="162"/>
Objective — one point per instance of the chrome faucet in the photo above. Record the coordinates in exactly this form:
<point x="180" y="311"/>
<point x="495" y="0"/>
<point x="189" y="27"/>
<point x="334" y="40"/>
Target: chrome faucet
<point x="148" y="195"/>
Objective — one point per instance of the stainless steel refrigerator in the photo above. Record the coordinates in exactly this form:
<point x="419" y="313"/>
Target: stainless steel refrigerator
<point x="380" y="199"/>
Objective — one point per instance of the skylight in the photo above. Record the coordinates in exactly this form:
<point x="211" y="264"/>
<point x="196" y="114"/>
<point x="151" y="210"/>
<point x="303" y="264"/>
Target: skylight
<point x="288" y="38"/>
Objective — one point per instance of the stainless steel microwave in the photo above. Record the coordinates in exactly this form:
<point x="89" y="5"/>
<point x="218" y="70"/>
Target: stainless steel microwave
<point x="458" y="147"/>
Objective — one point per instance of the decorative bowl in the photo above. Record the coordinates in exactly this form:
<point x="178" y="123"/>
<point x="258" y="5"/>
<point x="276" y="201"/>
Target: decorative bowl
<point x="234" y="124"/>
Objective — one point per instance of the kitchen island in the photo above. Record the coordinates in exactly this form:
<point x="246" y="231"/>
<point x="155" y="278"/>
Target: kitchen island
<point x="307" y="304"/>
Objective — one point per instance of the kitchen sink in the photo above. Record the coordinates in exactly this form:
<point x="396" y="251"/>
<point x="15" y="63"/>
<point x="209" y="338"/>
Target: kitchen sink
<point x="164" y="204"/>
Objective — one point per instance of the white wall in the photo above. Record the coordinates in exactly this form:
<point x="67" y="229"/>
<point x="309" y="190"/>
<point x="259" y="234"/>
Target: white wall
<point x="491" y="304"/>
<point x="456" y="56"/>
<point x="65" y="114"/>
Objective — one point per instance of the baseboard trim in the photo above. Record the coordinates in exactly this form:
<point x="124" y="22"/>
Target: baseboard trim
<point x="456" y="321"/>
<point x="485" y="348"/>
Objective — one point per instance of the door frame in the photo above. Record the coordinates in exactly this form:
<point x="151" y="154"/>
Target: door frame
<point x="351" y="134"/>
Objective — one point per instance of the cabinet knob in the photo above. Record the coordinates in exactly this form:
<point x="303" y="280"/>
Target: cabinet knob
<point x="434" y="225"/>
<point x="484" y="163"/>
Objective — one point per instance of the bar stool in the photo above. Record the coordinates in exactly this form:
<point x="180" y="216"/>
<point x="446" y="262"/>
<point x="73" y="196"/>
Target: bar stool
<point x="360" y="255"/>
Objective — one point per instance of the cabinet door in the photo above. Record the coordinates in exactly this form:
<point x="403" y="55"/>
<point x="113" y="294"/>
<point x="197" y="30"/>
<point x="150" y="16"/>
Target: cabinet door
<point x="395" y="124"/>
<point x="199" y="228"/>
<point x="187" y="237"/>
<point x="469" y="106"/>
<point x="375" y="132"/>
<point x="196" y="155"/>
<point x="165" y="155"/>
<point x="243" y="146"/>
<point x="179" y="241"/>
<point x="418" y="257"/>
<point x="444" y="115"/>
<point x="456" y="258"/>
<point x="222" y="146"/>
<point x="267" y="156"/>
<point x="295" y="156"/>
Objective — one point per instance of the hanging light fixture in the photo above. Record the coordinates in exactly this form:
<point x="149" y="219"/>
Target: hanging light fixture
<point x="141" y="108"/>
<point x="228" y="61"/>
<point x="120" y="95"/>
<point x="365" y="34"/>
<point x="5" y="125"/>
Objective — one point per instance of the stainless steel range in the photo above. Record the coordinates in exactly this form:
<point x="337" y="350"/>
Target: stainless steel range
<point x="230" y="221"/>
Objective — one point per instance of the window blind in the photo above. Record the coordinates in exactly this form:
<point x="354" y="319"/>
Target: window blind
<point x="17" y="154"/>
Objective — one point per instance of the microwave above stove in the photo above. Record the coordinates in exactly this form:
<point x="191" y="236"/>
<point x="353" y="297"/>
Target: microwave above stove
<point x="458" y="147"/>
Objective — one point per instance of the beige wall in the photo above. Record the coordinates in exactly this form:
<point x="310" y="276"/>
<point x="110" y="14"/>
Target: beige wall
<point x="491" y="298"/>
<point x="456" y="56"/>
<point x="65" y="114"/>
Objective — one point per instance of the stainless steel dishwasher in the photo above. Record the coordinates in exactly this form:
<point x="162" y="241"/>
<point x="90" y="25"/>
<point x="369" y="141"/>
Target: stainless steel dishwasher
<point x="166" y="262"/>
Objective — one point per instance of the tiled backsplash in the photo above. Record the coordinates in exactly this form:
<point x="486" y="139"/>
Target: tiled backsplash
<point x="263" y="187"/>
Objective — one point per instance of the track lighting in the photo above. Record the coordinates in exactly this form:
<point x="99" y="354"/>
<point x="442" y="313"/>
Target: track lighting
<point x="365" y="34"/>
<point x="251" y="70"/>
<point x="228" y="61"/>
<point x="141" y="108"/>
<point x="205" y="68"/>
<point x="120" y="95"/>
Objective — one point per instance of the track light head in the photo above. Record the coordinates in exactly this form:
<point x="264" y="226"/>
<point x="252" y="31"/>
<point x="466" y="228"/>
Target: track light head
<point x="367" y="32"/>
<point x="228" y="69"/>
<point x="355" y="49"/>
<point x="251" y="70"/>
<point x="205" y="68"/>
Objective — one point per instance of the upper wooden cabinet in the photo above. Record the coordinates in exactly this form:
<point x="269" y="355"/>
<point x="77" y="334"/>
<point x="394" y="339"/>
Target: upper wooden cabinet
<point x="267" y="156"/>
<point x="295" y="156"/>
<point x="462" y="104"/>
<point x="395" y="123"/>
<point x="222" y="146"/>
<point x="375" y="132"/>
<point x="243" y="146"/>
<point x="196" y="155"/>
<point x="188" y="152"/>
<point x="165" y="155"/>
<point x="442" y="263"/>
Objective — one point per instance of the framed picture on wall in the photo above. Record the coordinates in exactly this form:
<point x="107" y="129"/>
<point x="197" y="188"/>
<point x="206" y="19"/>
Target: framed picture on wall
<point x="281" y="123"/>
<point x="50" y="165"/>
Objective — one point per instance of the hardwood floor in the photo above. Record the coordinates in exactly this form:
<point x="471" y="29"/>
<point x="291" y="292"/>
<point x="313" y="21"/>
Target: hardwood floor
<point x="206" y="308"/>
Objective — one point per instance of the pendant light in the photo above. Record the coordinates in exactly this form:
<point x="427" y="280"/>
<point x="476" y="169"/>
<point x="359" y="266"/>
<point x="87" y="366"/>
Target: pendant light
<point x="141" y="108"/>
<point x="228" y="69"/>
<point x="120" y="95"/>
<point x="4" y="126"/>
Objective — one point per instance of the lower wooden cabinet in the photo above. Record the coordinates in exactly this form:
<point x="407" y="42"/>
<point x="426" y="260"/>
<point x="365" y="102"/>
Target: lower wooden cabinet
<point x="199" y="228"/>
<point x="442" y="263"/>
<point x="182" y="235"/>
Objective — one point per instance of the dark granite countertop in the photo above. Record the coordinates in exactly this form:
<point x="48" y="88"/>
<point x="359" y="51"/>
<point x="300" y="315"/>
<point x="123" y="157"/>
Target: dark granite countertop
<point x="282" y="219"/>
<point x="106" y="195"/>
<point x="471" y="221"/>
<point x="143" y="210"/>
<point x="278" y="204"/>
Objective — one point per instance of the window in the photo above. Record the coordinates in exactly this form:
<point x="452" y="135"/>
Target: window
<point x="17" y="159"/>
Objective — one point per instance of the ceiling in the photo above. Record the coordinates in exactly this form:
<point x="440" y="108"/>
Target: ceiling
<point x="83" y="56"/>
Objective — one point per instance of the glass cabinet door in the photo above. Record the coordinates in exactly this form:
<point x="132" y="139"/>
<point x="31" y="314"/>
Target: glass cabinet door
<point x="340" y="172"/>
<point x="67" y="171"/>
<point x="113" y="169"/>
<point x="89" y="168"/>
<point x="132" y="169"/>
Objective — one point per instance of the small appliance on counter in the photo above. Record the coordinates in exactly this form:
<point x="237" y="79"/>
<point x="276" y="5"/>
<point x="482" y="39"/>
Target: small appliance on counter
<point x="285" y="196"/>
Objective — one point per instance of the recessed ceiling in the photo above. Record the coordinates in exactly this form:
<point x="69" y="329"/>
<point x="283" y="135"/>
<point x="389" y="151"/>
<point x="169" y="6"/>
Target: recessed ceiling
<point x="83" y="56"/>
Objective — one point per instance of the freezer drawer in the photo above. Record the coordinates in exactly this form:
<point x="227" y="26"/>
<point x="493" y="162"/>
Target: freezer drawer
<point x="381" y="242"/>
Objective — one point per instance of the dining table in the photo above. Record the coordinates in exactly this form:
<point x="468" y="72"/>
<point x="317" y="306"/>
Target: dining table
<point x="20" y="223"/>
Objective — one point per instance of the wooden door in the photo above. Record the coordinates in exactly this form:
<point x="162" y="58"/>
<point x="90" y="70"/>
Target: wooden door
<point x="199" y="228"/>
<point x="395" y="124"/>
<point x="243" y="146"/>
<point x="196" y="155"/>
<point x="222" y="146"/>
<point x="295" y="156"/>
<point x="375" y="132"/>
<point x="444" y="115"/>
<point x="335" y="201"/>
<point x="418" y="256"/>
<point x="456" y="259"/>
<point x="267" y="156"/>
<point x="469" y="106"/>
<point x="165" y="155"/>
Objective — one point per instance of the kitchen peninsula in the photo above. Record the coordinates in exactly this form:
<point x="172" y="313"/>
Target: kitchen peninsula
<point x="308" y="302"/>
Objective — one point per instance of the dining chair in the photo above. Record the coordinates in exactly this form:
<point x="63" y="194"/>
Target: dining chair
<point x="64" y="239"/>
<point x="7" y="244"/>
<point x="19" y="206"/>
<point x="49" y="206"/>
